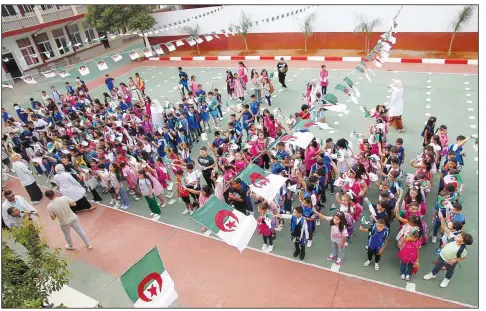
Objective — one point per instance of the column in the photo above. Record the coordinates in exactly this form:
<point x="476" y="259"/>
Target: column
<point x="38" y="14"/>
<point x="82" y="34"/>
<point x="53" y="44"/>
<point x="39" y="52"/>
<point x="75" y="10"/>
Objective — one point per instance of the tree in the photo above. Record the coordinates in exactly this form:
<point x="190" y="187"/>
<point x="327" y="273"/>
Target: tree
<point x="458" y="23"/>
<point x="243" y="27"/>
<point x="194" y="33"/>
<point x="365" y="26"/>
<point x="28" y="283"/>
<point x="111" y="18"/>
<point x="307" y="28"/>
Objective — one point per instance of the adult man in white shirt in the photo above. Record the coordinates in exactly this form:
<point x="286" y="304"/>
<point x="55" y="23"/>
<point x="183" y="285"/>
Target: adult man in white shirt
<point x="45" y="98"/>
<point x="19" y="203"/>
<point x="60" y="208"/>
<point x="26" y="179"/>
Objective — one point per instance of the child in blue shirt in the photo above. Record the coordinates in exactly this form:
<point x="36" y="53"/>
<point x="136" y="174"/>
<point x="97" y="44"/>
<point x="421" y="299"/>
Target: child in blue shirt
<point x="379" y="234"/>
<point x="204" y="114"/>
<point x="459" y="150"/>
<point x="255" y="107"/>
<point x="275" y="166"/>
<point x="298" y="230"/>
<point x="193" y="124"/>
<point x="456" y="215"/>
<point x="246" y="118"/>
<point x="213" y="107"/>
<point x="400" y="150"/>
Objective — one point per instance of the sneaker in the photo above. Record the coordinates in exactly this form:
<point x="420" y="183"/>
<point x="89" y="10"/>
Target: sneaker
<point x="89" y="246"/>
<point x="112" y="201"/>
<point x="318" y="222"/>
<point x="367" y="263"/>
<point x="366" y="246"/>
<point x="407" y="277"/>
<point x="136" y="198"/>
<point x="220" y="119"/>
<point x="296" y="253"/>
<point x="270" y="248"/>
<point x="156" y="217"/>
<point x="132" y="192"/>
<point x="339" y="262"/>
<point x="402" y="277"/>
<point x="170" y="194"/>
<point x="309" y="243"/>
<point x="332" y="192"/>
<point x="377" y="267"/>
<point x="185" y="212"/>
<point x="331" y="257"/>
<point x="68" y="247"/>
<point x="444" y="283"/>
<point x="264" y="247"/>
<point x="346" y="244"/>
<point x="164" y="205"/>
<point x="429" y="276"/>
<point x="117" y="205"/>
<point x="151" y="214"/>
<point x="302" y="256"/>
<point x="434" y="239"/>
<point x="127" y="206"/>
<point x="34" y="202"/>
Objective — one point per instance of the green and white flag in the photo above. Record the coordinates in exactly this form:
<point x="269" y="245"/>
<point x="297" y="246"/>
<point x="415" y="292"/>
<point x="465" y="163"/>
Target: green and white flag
<point x="358" y="68"/>
<point x="148" y="284"/>
<point x="350" y="83"/>
<point x="232" y="226"/>
<point x="263" y="184"/>
<point x="347" y="91"/>
<point x="331" y="98"/>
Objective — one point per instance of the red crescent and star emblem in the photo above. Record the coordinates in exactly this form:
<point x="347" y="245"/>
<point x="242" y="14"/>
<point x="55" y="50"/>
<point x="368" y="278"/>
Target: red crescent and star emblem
<point x="154" y="276"/>
<point x="309" y="124"/>
<point x="226" y="221"/>
<point x="288" y="138"/>
<point x="258" y="180"/>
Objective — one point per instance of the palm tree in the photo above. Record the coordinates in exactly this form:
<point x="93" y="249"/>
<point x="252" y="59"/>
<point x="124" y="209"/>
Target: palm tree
<point x="458" y="23"/>
<point x="307" y="28"/>
<point x="194" y="33"/>
<point x="243" y="27"/>
<point x="367" y="27"/>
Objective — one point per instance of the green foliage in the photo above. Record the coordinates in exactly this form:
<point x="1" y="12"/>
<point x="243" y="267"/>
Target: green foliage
<point x="366" y="26"/>
<point x="28" y="284"/>
<point x="111" y="18"/>
<point x="462" y="18"/>
<point x="242" y="28"/>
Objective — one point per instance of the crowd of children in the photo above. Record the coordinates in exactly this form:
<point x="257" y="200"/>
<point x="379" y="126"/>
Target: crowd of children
<point x="131" y="145"/>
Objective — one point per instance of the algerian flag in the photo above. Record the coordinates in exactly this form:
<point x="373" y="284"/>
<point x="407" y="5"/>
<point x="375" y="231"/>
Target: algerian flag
<point x="148" y="52"/>
<point x="366" y="113"/>
<point x="134" y="55"/>
<point x="261" y="183"/>
<point x="179" y="43"/>
<point x="350" y="83"/>
<point x="208" y="38"/>
<point x="102" y="65"/>
<point x="331" y="98"/>
<point x="346" y="90"/>
<point x="358" y="68"/>
<point x="191" y="41"/>
<point x="64" y="73"/>
<point x="49" y="74"/>
<point x="232" y="226"/>
<point x="158" y="50"/>
<point x="443" y="203"/>
<point x="170" y="46"/>
<point x="83" y="70"/>
<point x="336" y="108"/>
<point x="117" y="58"/>
<point x="198" y="40"/>
<point x="148" y="284"/>
<point x="224" y="33"/>
<point x="455" y="179"/>
<point x="215" y="34"/>
<point x="29" y="80"/>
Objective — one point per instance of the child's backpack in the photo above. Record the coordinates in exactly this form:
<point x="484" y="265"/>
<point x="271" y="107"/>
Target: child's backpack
<point x="263" y="227"/>
<point x="349" y="223"/>
<point x="272" y="89"/>
<point x="425" y="232"/>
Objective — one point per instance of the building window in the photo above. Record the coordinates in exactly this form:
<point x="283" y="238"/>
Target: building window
<point x="58" y="35"/>
<point x="73" y="33"/>
<point x="89" y="32"/>
<point x="44" y="44"/>
<point x="47" y="7"/>
<point x="28" y="8"/>
<point x="10" y="10"/>
<point x="27" y="51"/>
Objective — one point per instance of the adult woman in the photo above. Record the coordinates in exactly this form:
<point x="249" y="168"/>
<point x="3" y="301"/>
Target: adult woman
<point x="395" y="107"/>
<point x="324" y="77"/>
<point x="136" y="93"/>
<point x="71" y="188"/>
<point x="243" y="74"/>
<point x="26" y="179"/>
<point x="157" y="114"/>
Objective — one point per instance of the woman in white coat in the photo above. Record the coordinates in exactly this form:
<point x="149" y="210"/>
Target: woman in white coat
<point x="395" y="108"/>
<point x="26" y="179"/>
<point x="72" y="189"/>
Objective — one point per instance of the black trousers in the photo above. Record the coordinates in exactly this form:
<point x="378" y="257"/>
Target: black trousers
<point x="281" y="78"/>
<point x="299" y="248"/>
<point x="95" y="194"/>
<point x="374" y="252"/>
<point x="323" y="90"/>
<point x="207" y="177"/>
<point x="268" y="240"/>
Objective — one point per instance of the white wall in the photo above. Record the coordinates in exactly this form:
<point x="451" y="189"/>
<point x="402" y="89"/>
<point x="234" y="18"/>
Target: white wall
<point x="329" y="18"/>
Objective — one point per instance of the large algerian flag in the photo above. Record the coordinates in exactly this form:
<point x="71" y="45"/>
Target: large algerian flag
<point x="455" y="179"/>
<point x="331" y="98"/>
<point x="350" y="83"/>
<point x="232" y="226"/>
<point x="261" y="183"/>
<point x="358" y="68"/>
<point x="148" y="284"/>
<point x="343" y="88"/>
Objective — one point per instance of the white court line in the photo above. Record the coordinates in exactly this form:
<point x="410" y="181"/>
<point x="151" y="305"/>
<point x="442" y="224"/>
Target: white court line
<point x="466" y="82"/>
<point x="428" y="99"/>
<point x="470" y="109"/>
<point x="283" y="257"/>
<point x="467" y="89"/>
<point x="472" y="117"/>
<point x="441" y="73"/>
<point x="410" y="287"/>
<point x="428" y="93"/>
<point x="335" y="268"/>
<point x="427" y="107"/>
<point x="468" y="95"/>
<point x="429" y="87"/>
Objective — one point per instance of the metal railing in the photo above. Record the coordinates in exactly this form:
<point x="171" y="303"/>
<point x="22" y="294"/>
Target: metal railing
<point x="56" y="14"/>
<point x="81" y="9"/>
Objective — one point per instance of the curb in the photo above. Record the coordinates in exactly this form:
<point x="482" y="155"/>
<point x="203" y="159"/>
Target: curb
<point x="324" y="58"/>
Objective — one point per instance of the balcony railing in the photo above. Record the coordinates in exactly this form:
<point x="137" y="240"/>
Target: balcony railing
<point x="56" y="14"/>
<point x="10" y="23"/>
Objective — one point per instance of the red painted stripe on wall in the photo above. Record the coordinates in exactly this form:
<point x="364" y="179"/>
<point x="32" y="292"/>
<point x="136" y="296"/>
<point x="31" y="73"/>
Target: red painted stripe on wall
<point x="298" y="58"/>
<point x="334" y="58"/>
<point x="412" y="60"/>
<point x="456" y="61"/>
<point x="211" y="58"/>
<point x="237" y="57"/>
<point x="267" y="57"/>
<point x="186" y="58"/>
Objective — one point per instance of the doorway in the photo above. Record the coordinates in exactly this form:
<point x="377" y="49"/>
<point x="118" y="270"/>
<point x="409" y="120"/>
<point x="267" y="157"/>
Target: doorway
<point x="12" y="66"/>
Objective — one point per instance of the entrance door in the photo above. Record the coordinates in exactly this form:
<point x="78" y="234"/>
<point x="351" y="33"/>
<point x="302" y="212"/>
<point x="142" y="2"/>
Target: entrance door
<point x="12" y="66"/>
